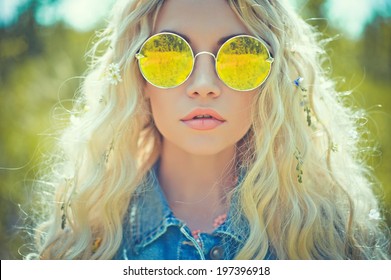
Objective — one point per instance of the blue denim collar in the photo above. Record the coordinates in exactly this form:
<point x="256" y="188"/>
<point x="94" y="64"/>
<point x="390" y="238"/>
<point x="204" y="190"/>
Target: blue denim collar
<point x="150" y="215"/>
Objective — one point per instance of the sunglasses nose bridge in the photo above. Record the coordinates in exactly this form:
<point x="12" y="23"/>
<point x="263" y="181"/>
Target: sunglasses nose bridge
<point x="205" y="52"/>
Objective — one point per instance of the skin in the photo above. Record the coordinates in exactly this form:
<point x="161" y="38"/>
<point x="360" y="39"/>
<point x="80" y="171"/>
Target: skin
<point x="196" y="166"/>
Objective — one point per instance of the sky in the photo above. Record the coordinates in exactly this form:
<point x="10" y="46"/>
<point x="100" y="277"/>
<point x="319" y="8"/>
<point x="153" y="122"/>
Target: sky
<point x="350" y="16"/>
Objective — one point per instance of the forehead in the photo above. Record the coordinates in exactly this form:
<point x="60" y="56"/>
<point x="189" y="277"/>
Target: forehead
<point x="199" y="18"/>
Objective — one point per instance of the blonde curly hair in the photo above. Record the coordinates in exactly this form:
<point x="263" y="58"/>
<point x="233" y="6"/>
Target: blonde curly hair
<point x="306" y="193"/>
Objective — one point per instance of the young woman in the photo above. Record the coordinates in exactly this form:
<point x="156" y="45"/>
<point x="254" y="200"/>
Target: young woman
<point x="208" y="130"/>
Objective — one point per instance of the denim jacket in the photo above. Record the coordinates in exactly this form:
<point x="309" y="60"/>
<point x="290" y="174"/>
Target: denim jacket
<point x="152" y="232"/>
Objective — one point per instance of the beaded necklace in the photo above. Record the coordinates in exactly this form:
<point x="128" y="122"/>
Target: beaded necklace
<point x="216" y="223"/>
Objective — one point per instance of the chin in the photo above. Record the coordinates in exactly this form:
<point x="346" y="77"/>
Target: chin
<point x="201" y="145"/>
<point x="206" y="149"/>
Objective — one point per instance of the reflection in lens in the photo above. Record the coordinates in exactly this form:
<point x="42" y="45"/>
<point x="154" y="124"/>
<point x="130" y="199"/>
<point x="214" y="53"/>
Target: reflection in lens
<point x="242" y="63"/>
<point x="166" y="60"/>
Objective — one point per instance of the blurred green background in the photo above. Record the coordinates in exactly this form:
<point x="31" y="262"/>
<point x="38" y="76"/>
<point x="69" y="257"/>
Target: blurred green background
<point x="42" y="47"/>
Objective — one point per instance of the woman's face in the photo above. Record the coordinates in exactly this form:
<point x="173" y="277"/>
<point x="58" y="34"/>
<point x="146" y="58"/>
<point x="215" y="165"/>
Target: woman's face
<point x="204" y="23"/>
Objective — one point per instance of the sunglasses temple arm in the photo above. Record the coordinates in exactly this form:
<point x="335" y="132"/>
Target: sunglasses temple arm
<point x="270" y="59"/>
<point x="138" y="56"/>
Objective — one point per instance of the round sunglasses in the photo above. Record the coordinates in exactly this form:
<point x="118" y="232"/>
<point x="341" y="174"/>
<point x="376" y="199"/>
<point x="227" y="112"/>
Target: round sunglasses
<point x="166" y="60"/>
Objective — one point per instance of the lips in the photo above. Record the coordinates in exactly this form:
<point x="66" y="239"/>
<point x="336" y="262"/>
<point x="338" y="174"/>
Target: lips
<point x="203" y="113"/>
<point x="203" y="119"/>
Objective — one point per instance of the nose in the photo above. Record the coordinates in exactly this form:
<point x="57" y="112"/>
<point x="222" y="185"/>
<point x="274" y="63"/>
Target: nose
<point x="203" y="81"/>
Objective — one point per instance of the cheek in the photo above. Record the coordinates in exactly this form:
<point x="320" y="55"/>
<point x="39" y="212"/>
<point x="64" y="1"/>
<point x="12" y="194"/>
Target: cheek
<point x="243" y="112"/>
<point x="163" y="112"/>
<point x="241" y="124"/>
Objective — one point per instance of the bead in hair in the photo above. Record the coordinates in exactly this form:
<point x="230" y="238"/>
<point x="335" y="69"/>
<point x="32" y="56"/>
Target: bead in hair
<point x="304" y="99"/>
<point x="298" y="82"/>
<point x="299" y="165"/>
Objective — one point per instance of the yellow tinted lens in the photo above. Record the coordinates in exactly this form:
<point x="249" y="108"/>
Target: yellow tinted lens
<point x="165" y="60"/>
<point x="243" y="63"/>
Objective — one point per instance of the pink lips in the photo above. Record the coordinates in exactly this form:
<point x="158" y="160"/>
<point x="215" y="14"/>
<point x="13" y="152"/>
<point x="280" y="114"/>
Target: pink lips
<point x="203" y="119"/>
